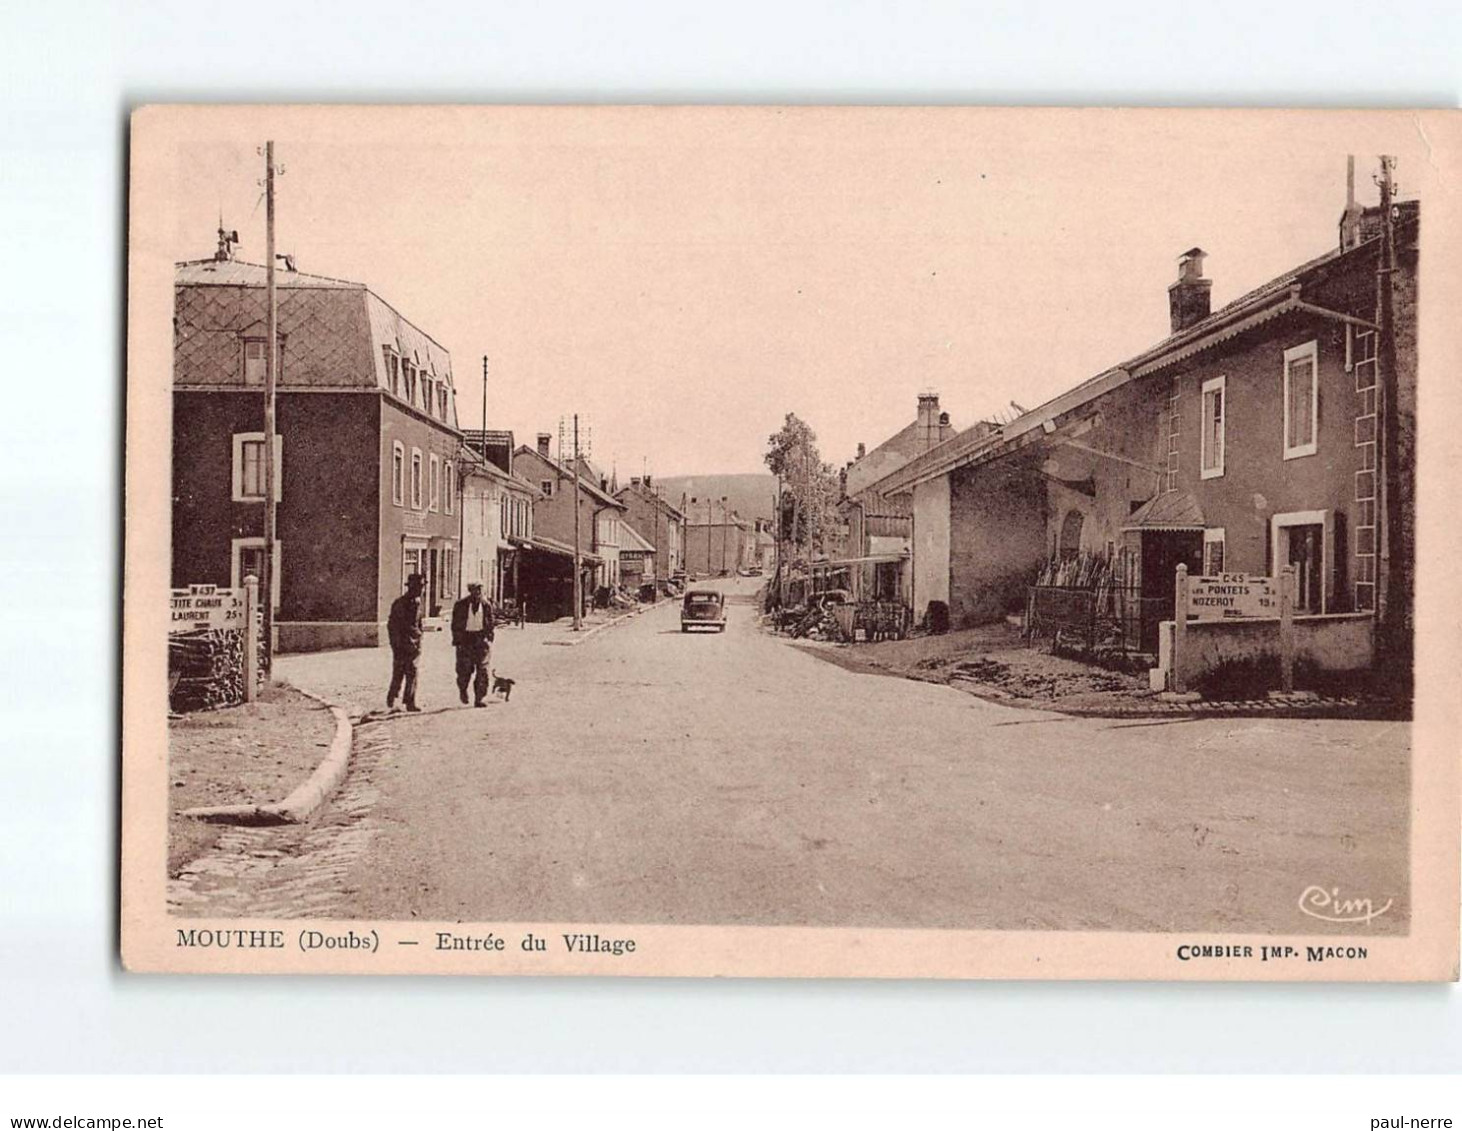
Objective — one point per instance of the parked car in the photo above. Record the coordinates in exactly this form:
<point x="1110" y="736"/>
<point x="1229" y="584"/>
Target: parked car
<point x="703" y="608"/>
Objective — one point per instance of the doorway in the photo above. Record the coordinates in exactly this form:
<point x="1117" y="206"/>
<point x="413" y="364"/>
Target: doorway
<point x="1162" y="552"/>
<point x="1298" y="539"/>
<point x="1304" y="548"/>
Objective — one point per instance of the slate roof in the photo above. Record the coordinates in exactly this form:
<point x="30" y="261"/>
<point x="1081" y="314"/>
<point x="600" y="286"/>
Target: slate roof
<point x="333" y="330"/>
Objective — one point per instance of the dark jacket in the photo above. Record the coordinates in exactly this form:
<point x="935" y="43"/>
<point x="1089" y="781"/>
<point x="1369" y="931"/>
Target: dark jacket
<point x="404" y="625"/>
<point x="460" y="635"/>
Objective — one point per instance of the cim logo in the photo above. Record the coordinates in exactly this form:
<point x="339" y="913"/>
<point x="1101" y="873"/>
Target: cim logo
<point x="1327" y="904"/>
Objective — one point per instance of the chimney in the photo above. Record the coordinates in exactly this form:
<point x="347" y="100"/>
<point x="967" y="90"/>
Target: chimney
<point x="929" y="418"/>
<point x="544" y="439"/>
<point x="634" y="480"/>
<point x="1189" y="297"/>
<point x="862" y="451"/>
<point x="1350" y="219"/>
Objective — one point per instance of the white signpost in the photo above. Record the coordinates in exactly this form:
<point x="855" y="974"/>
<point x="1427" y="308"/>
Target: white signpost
<point x="205" y="607"/>
<point x="1232" y="596"/>
<point x="1229" y="597"/>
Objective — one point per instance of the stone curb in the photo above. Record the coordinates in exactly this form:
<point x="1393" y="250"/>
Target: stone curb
<point x="1272" y="708"/>
<point x="575" y="640"/>
<point x="301" y="804"/>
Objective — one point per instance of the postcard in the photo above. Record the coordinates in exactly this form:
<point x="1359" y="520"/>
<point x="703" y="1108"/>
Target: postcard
<point x="792" y="542"/>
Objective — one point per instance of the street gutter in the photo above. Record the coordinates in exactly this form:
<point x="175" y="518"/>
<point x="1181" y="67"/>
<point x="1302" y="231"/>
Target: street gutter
<point x="576" y="638"/>
<point x="307" y="797"/>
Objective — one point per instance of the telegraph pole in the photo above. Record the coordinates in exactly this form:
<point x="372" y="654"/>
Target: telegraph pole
<point x="484" y="409"/>
<point x="271" y="376"/>
<point x="725" y="531"/>
<point x="1394" y="604"/>
<point x="578" y="568"/>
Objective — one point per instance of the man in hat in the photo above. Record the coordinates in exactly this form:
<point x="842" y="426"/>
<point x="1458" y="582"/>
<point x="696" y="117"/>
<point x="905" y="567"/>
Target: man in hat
<point x="472" y="634"/>
<point x="404" y="630"/>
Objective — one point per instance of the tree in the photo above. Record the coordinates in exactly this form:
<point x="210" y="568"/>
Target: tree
<point x="809" y="487"/>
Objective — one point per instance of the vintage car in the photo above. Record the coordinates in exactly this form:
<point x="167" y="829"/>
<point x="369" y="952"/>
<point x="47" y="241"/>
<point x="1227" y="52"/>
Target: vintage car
<point x="703" y="608"/>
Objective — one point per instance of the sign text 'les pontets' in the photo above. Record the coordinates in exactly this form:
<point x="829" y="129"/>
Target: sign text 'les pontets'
<point x="205" y="607"/>
<point x="1233" y="596"/>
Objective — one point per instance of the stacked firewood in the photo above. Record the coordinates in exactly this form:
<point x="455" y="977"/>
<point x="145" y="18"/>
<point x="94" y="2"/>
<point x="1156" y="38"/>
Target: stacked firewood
<point x="205" y="669"/>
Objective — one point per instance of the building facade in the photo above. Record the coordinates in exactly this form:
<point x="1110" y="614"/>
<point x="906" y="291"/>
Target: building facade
<point x="717" y="540"/>
<point x="658" y="521"/>
<point x="599" y="514"/>
<point x="497" y="523"/>
<point x="1248" y="440"/>
<point x="365" y="449"/>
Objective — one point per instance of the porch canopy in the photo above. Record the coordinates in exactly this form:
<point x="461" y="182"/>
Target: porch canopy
<point x="1175" y="510"/>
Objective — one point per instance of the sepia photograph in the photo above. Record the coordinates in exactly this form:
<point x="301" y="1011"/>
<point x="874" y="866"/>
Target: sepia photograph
<point x="789" y="541"/>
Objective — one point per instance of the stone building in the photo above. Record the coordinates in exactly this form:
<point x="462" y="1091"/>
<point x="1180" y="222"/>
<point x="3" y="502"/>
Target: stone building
<point x="365" y="451"/>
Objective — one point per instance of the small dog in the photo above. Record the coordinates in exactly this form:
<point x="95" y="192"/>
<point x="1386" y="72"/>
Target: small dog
<point x="505" y="685"/>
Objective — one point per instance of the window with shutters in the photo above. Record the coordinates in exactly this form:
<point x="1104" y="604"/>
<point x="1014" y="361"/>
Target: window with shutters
<point x="248" y="467"/>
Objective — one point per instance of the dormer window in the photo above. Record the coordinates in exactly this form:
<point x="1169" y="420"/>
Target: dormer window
<point x="254" y="361"/>
<point x="393" y="371"/>
<point x="426" y="392"/>
<point x="410" y="382"/>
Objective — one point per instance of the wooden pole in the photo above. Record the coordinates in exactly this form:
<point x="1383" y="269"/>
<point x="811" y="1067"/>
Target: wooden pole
<point x="578" y="568"/>
<point x="251" y="638"/>
<point x="1287" y="581"/>
<point x="1180" y="630"/>
<point x="271" y="376"/>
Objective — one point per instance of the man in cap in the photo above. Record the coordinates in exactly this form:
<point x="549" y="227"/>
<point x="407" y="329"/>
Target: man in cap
<point x="404" y="630"/>
<point x="472" y="634"/>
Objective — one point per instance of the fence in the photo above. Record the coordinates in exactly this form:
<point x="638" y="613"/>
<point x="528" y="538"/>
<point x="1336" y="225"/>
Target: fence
<point x="1112" y="617"/>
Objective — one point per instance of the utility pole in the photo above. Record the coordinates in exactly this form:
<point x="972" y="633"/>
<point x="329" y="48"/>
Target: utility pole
<point x="578" y="568"/>
<point x="777" y="543"/>
<point x="1394" y="605"/>
<point x="271" y="376"/>
<point x="484" y="409"/>
<point x="725" y="531"/>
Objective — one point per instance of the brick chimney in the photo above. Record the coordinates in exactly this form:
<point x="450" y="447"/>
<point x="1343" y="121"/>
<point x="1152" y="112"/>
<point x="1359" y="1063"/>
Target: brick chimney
<point x="929" y="419"/>
<point x="1189" y="297"/>
<point x="862" y="451"/>
<point x="544" y="439"/>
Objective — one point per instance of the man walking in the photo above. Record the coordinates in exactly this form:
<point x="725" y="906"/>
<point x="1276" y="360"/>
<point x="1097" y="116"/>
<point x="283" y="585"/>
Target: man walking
<point x="404" y="630"/>
<point x="472" y="635"/>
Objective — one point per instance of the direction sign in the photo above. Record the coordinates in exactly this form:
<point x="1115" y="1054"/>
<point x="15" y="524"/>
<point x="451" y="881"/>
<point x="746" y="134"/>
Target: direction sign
<point x="206" y="606"/>
<point x="1232" y="596"/>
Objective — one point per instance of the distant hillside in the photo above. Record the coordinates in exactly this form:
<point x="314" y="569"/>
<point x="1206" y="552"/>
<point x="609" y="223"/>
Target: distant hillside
<point x="750" y="496"/>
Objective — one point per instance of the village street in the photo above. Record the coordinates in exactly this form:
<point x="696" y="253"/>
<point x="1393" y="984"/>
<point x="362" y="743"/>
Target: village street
<point x="649" y="776"/>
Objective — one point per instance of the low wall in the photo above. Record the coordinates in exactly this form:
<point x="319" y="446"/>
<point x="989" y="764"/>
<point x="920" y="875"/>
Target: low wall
<point x="1341" y="642"/>
<point x="323" y="636"/>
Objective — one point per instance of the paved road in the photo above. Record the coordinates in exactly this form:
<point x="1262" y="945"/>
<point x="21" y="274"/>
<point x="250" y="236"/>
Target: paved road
<point x="653" y="777"/>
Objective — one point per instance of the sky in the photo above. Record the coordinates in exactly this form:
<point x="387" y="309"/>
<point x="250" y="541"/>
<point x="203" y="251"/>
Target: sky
<point x="682" y="278"/>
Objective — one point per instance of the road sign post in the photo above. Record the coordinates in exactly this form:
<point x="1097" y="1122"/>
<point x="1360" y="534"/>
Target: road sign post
<point x="1286" y="628"/>
<point x="1180" y="629"/>
<point x="251" y="638"/>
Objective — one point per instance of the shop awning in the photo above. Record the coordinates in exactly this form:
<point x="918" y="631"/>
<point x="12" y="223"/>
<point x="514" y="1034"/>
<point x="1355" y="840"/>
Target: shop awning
<point x="552" y="546"/>
<point x="1172" y="510"/>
